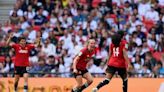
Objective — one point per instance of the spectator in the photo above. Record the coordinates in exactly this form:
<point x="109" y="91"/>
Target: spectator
<point x="159" y="69"/>
<point x="30" y="13"/>
<point x="136" y="39"/>
<point x="14" y="19"/>
<point x="49" y="48"/>
<point x="145" y="71"/>
<point x="8" y="65"/>
<point x="150" y="61"/>
<point x="143" y="7"/>
<point x="152" y="15"/>
<point x="67" y="62"/>
<point x="7" y="27"/>
<point x="137" y="63"/>
<point x="39" y="18"/>
<point x="39" y="67"/>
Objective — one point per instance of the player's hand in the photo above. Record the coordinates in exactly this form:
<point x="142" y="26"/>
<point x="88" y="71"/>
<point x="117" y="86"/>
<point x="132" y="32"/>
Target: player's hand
<point x="129" y="67"/>
<point x="11" y="35"/>
<point x="75" y="71"/>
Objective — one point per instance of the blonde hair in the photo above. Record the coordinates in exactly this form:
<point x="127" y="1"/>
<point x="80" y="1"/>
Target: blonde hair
<point x="88" y="41"/>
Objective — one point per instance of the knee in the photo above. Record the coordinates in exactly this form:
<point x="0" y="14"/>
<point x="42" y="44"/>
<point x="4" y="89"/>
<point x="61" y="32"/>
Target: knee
<point x="79" y="85"/>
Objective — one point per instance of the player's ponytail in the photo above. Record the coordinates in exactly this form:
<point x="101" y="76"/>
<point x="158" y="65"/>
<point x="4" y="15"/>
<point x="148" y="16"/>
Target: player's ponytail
<point x="116" y="39"/>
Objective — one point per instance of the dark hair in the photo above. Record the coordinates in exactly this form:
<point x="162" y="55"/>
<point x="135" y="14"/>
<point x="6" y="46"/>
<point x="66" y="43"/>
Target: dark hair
<point x="51" y="56"/>
<point x="21" y="38"/>
<point x="159" y="63"/>
<point x="116" y="39"/>
<point x="121" y="33"/>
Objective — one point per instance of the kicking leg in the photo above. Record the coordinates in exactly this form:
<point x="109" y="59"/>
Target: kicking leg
<point x="105" y="81"/>
<point x="110" y="71"/>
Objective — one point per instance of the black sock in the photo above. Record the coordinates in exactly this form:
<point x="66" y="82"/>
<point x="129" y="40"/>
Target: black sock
<point x="125" y="85"/>
<point x="15" y="86"/>
<point x="84" y="86"/>
<point x="25" y="87"/>
<point x="103" y="83"/>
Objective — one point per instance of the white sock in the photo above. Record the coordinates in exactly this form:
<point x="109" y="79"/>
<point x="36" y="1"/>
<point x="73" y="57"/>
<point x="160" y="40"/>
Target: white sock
<point x="25" y="90"/>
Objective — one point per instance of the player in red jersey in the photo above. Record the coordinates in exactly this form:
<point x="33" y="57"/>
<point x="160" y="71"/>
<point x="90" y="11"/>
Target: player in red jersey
<point x="22" y="51"/>
<point x="79" y="66"/>
<point x="117" y="63"/>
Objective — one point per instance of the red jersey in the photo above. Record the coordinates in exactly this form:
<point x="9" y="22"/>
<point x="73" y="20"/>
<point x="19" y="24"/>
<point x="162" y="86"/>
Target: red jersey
<point x="85" y="56"/>
<point x="117" y="59"/>
<point x="22" y="54"/>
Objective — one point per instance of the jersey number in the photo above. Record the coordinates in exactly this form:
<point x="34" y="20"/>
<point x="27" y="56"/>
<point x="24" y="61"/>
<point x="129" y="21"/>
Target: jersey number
<point x="116" y="51"/>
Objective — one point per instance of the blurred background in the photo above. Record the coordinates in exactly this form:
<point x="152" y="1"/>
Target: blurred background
<point x="65" y="25"/>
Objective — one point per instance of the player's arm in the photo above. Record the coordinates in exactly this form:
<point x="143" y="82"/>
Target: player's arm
<point x="75" y="63"/>
<point x="9" y="39"/>
<point x="126" y="57"/>
<point x="38" y="42"/>
<point x="110" y="51"/>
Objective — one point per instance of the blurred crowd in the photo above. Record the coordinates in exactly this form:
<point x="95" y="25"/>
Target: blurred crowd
<point x="65" y="25"/>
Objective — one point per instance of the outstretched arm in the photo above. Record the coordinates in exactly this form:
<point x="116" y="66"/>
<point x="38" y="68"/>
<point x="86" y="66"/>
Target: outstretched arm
<point x="75" y="63"/>
<point x="38" y="42"/>
<point x="9" y="39"/>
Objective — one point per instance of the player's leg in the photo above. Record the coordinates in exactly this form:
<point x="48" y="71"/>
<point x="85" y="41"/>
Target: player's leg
<point x="17" y="76"/>
<point x="110" y="71"/>
<point x="89" y="81"/>
<point x="79" y="83"/>
<point x="123" y="74"/>
<point x="25" y="76"/>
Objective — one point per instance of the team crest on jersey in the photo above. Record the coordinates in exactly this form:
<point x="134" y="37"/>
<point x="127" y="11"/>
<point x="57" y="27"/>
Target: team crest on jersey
<point x="23" y="51"/>
<point x="87" y="58"/>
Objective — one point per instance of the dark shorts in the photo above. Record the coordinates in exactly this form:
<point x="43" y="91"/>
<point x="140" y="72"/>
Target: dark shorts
<point x="20" y="70"/>
<point x="112" y="70"/>
<point x="80" y="72"/>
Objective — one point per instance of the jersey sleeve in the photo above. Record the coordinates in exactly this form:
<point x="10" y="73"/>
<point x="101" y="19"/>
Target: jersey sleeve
<point x="81" y="52"/>
<point x="31" y="46"/>
<point x="14" y="46"/>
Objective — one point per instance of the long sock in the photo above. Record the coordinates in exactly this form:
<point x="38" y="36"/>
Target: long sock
<point x="103" y="83"/>
<point x="25" y="87"/>
<point x="125" y="85"/>
<point x="75" y="90"/>
<point x="15" y="86"/>
<point x="84" y="86"/>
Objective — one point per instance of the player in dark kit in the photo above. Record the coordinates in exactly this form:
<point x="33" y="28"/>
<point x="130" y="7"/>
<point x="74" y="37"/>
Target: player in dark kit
<point x="22" y="51"/>
<point x="79" y="66"/>
<point x="118" y="61"/>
